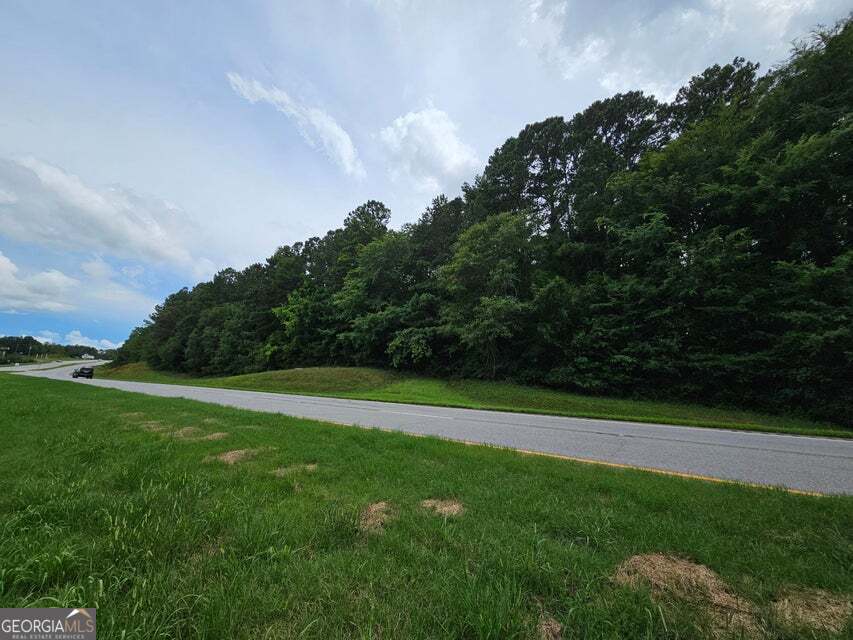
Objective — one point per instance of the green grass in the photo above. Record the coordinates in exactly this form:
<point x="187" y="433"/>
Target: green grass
<point x="96" y="510"/>
<point x="388" y="386"/>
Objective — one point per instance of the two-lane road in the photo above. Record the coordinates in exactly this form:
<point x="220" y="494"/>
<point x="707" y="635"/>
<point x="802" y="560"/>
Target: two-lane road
<point x="823" y="465"/>
<point x="11" y="368"/>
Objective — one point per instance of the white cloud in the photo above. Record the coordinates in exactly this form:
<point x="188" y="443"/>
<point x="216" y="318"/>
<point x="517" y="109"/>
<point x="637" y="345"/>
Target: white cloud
<point x="43" y="291"/>
<point x="109" y="296"/>
<point x="313" y="123"/>
<point x="7" y="197"/>
<point x="133" y="272"/>
<point x="771" y="16"/>
<point x="543" y="30"/>
<point x="76" y="338"/>
<point x="44" y="204"/>
<point x="45" y="335"/>
<point x="658" y="46"/>
<point x="55" y="292"/>
<point x="425" y="147"/>
<point x="97" y="269"/>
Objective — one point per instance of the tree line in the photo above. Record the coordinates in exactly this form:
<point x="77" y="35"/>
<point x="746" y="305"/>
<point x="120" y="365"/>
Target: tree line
<point x="26" y="348"/>
<point x="697" y="249"/>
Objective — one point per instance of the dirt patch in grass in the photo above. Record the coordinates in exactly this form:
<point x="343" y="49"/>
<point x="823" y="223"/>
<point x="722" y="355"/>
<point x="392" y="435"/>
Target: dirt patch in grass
<point x="132" y="415"/>
<point x="671" y="577"/>
<point x="282" y="472"/>
<point x="444" y="507"/>
<point x="813" y="609"/>
<point x="374" y="517"/>
<point x="549" y="629"/>
<point x="233" y="457"/>
<point x="212" y="421"/>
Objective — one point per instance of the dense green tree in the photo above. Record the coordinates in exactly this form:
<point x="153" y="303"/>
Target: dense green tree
<point x="718" y="86"/>
<point x="699" y="249"/>
<point x="487" y="283"/>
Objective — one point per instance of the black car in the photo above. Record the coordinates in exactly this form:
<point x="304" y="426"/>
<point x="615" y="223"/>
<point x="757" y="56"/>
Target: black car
<point x="84" y="372"/>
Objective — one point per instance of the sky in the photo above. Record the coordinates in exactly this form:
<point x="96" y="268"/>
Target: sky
<point x="144" y="146"/>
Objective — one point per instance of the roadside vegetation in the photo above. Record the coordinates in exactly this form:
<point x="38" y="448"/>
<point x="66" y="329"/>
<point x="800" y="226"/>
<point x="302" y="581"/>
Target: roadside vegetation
<point x="26" y="349"/>
<point x="700" y="249"/>
<point x="391" y="386"/>
<point x="182" y="519"/>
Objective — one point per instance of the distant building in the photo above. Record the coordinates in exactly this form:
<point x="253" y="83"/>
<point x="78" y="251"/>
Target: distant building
<point x="87" y="356"/>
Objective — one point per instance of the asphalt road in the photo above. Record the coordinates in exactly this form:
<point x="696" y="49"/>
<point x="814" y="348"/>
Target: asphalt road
<point x="41" y="365"/>
<point x="823" y="465"/>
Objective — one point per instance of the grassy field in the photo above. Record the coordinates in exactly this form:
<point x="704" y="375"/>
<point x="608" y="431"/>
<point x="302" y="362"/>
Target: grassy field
<point x="184" y="520"/>
<point x="375" y="384"/>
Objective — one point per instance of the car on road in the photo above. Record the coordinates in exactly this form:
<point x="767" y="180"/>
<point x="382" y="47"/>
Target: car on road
<point x="83" y="372"/>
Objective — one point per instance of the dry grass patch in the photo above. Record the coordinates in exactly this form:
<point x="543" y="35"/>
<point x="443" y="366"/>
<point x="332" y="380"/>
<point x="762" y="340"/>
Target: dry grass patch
<point x="187" y="432"/>
<point x="155" y="426"/>
<point x="219" y="435"/>
<point x="233" y="457"/>
<point x="813" y="609"/>
<point x="208" y="550"/>
<point x="444" y="507"/>
<point x="194" y="434"/>
<point x="281" y="472"/>
<point x="212" y="421"/>
<point x="374" y="517"/>
<point x="671" y="577"/>
<point x="549" y="629"/>
<point x="132" y="415"/>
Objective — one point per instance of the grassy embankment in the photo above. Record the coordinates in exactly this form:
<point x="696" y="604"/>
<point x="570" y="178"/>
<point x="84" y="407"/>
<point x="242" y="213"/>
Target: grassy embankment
<point x="375" y="384"/>
<point x="119" y="501"/>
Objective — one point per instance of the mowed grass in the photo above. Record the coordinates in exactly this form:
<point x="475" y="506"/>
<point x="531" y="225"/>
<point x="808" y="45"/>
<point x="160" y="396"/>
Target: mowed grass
<point x="389" y="386"/>
<point x="116" y="500"/>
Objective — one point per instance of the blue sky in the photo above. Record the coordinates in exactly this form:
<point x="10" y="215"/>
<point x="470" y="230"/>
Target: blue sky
<point x="143" y="146"/>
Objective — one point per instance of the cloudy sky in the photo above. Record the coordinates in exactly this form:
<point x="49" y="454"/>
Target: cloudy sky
<point x="145" y="145"/>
